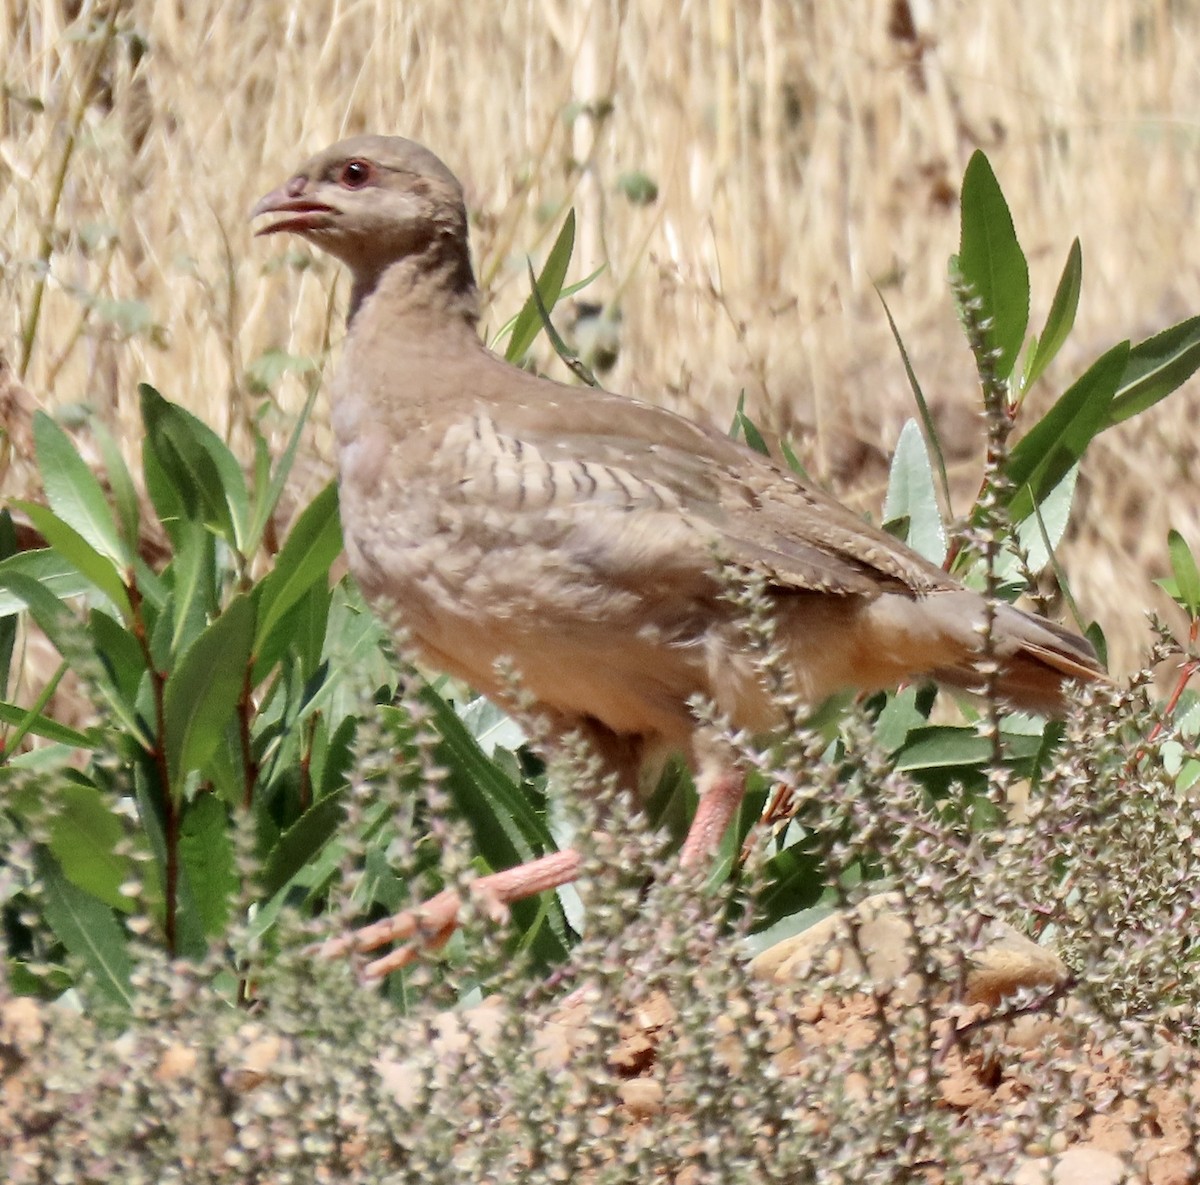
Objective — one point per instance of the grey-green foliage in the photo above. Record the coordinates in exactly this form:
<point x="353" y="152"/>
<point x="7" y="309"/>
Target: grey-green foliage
<point x="325" y="1079"/>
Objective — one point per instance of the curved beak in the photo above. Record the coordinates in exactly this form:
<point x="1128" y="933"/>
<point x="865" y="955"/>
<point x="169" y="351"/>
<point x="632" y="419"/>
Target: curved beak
<point x="302" y="213"/>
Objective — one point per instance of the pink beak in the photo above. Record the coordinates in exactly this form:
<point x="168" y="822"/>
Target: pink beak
<point x="304" y="213"/>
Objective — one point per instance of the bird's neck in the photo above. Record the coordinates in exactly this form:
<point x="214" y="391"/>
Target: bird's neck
<point x="435" y="285"/>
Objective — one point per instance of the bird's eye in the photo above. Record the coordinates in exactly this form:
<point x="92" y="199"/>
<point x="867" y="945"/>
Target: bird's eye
<point x="355" y="174"/>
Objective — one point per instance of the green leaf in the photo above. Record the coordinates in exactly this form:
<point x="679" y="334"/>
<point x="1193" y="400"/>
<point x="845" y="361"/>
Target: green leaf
<point x="205" y="476"/>
<point x="931" y="437"/>
<point x="87" y="928"/>
<point x="1042" y="531"/>
<point x="992" y="262"/>
<point x="202" y="692"/>
<point x="746" y="429"/>
<point x="580" y="285"/>
<point x="47" y="568"/>
<point x="911" y="496"/>
<point x="549" y="286"/>
<point x="74" y="493"/>
<point x="120" y="482"/>
<point x="312" y="545"/>
<point x="302" y="841"/>
<point x="1155" y="368"/>
<point x="1043" y="456"/>
<point x="793" y="462"/>
<point x="85" y="837"/>
<point x="1061" y="318"/>
<point x="43" y="726"/>
<point x="265" y="506"/>
<point x="506" y="827"/>
<point x="120" y="652"/>
<point x="97" y="567"/>
<point x="795" y="880"/>
<point x="66" y="634"/>
<point x="300" y="633"/>
<point x="52" y="616"/>
<point x="193" y="580"/>
<point x="206" y="855"/>
<point x="945" y="746"/>
<point x="1187" y="577"/>
<point x="574" y="363"/>
<point x="8" y="622"/>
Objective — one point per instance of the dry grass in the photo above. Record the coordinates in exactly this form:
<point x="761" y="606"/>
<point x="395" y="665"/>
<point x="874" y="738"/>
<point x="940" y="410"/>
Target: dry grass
<point x="802" y="155"/>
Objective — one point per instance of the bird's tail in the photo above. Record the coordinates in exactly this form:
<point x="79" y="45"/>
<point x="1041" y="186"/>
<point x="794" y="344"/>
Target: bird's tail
<point x="1037" y="660"/>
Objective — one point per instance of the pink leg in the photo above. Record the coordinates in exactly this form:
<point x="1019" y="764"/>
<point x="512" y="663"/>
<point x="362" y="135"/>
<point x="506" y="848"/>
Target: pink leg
<point x="720" y="796"/>
<point x="431" y="924"/>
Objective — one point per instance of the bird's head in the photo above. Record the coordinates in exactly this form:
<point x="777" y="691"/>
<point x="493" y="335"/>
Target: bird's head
<point x="369" y="201"/>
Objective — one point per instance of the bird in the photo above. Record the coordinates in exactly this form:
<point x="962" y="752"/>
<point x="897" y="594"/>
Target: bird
<point x="583" y="539"/>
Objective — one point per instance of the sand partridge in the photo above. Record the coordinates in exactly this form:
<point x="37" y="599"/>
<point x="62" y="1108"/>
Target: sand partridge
<point x="579" y="534"/>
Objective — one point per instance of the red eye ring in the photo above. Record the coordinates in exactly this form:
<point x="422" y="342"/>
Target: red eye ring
<point x="355" y="174"/>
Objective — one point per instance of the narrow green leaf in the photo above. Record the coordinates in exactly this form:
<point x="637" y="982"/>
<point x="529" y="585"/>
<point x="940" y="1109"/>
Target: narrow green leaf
<point x="911" y="495"/>
<point x="1187" y="577"/>
<point x="506" y="827"/>
<point x="1156" y="367"/>
<point x="45" y="567"/>
<point x="120" y="482"/>
<point x="85" y="837"/>
<point x="96" y="566"/>
<point x="52" y="616"/>
<point x="192" y="575"/>
<point x="206" y="855"/>
<point x="206" y="476"/>
<point x="793" y="462"/>
<point x="8" y="622"/>
<point x="120" y="652"/>
<point x="43" y="726"/>
<point x="66" y="634"/>
<point x="74" y="493"/>
<point x="945" y="746"/>
<point x="931" y="437"/>
<point x="574" y="363"/>
<point x="265" y="506"/>
<point x="1061" y="318"/>
<point x="1042" y="531"/>
<point x="25" y="725"/>
<point x="548" y="286"/>
<point x="569" y="291"/>
<point x="1042" y="457"/>
<point x="312" y="545"/>
<point x="300" y="633"/>
<point x="202" y="692"/>
<point x="992" y="262"/>
<point x="302" y="841"/>
<point x="165" y="496"/>
<point x="745" y="428"/>
<point x="580" y="285"/>
<point x="87" y="928"/>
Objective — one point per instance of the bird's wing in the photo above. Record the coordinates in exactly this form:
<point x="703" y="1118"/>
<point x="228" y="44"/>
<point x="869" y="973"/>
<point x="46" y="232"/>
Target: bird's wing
<point x="544" y="448"/>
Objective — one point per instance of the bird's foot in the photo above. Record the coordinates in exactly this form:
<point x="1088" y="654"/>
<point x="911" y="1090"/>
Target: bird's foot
<point x="429" y="926"/>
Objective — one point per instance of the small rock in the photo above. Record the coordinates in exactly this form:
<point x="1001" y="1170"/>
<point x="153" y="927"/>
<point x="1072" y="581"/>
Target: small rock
<point x="643" y="1097"/>
<point x="1076" y="1166"/>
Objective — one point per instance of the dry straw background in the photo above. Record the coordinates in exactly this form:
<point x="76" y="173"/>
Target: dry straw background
<point x="803" y="152"/>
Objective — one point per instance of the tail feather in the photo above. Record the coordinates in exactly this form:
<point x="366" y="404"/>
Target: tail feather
<point x="1038" y="660"/>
